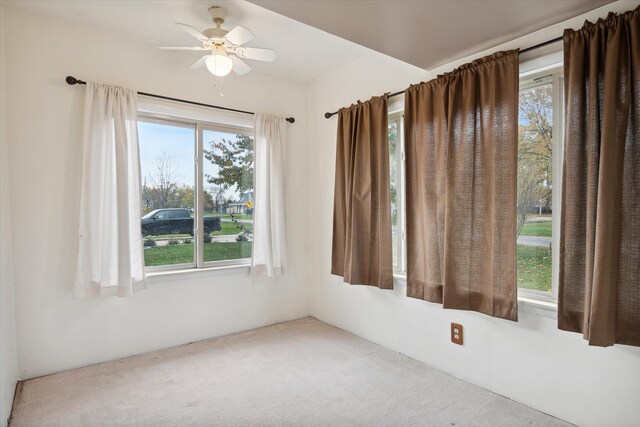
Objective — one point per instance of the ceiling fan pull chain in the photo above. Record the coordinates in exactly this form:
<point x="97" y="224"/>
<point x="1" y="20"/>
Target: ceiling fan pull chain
<point x="218" y="86"/>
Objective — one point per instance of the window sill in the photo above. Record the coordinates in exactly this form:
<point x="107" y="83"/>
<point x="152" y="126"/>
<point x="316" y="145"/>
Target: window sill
<point x="526" y="304"/>
<point x="537" y="306"/>
<point x="399" y="280"/>
<point x="171" y="275"/>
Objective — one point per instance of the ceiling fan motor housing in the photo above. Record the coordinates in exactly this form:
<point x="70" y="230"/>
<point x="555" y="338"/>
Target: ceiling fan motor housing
<point x="218" y="15"/>
<point x="215" y="33"/>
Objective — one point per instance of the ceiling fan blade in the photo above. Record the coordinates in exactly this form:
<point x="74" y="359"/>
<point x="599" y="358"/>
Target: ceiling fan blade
<point x="200" y="62"/>
<point x="239" y="66"/>
<point x="239" y="35"/>
<point x="183" y="48"/>
<point x="195" y="33"/>
<point x="256" y="53"/>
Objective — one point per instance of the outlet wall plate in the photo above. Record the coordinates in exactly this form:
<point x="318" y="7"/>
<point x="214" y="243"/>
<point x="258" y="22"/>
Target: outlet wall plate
<point x="456" y="333"/>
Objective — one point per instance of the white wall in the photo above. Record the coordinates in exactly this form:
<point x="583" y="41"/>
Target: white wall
<point x="8" y="349"/>
<point x="57" y="332"/>
<point x="530" y="361"/>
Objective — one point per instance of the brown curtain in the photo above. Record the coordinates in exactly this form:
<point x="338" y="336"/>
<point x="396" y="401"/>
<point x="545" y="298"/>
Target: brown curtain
<point x="461" y="133"/>
<point x="599" y="293"/>
<point x="362" y="199"/>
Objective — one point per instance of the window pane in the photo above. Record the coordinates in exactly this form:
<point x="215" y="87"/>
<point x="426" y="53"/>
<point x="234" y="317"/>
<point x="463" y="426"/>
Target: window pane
<point x="535" y="187"/>
<point x="393" y="163"/>
<point x="228" y="195"/>
<point x="167" y="167"/>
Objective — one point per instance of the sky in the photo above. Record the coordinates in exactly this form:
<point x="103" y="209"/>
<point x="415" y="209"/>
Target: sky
<point x="178" y="143"/>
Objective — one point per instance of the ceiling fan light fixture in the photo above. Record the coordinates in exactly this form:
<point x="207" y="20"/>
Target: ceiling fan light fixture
<point x="219" y="64"/>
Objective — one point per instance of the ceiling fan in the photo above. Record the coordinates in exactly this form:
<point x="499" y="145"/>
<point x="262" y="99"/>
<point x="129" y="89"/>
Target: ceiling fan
<point x="225" y="47"/>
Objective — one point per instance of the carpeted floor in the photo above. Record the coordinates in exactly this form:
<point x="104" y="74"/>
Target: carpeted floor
<point x="303" y="372"/>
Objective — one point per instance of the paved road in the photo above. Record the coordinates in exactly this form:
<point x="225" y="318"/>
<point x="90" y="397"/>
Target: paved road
<point x="539" y="219"/>
<point x="224" y="238"/>
<point x="534" y="241"/>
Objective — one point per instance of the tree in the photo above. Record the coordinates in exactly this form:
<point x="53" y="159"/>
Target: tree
<point x="528" y="194"/>
<point x="234" y="159"/>
<point x="535" y="149"/>
<point x="209" y="205"/>
<point x="185" y="197"/>
<point x="161" y="189"/>
<point x="216" y="194"/>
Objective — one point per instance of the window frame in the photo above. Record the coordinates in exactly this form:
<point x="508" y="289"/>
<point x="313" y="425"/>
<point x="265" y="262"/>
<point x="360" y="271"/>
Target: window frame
<point x="199" y="127"/>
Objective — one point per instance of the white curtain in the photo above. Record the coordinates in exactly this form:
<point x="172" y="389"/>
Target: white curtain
<point x="269" y="236"/>
<point x="110" y="254"/>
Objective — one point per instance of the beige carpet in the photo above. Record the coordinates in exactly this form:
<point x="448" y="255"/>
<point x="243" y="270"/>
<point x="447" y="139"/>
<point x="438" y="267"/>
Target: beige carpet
<point x="303" y="372"/>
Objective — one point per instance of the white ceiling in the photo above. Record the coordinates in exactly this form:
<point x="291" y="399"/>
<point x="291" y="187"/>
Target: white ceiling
<point x="425" y="33"/>
<point x="303" y="53"/>
<point x="430" y="33"/>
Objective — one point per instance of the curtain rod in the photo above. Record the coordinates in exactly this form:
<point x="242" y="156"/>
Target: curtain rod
<point x="537" y="46"/>
<point x="73" y="81"/>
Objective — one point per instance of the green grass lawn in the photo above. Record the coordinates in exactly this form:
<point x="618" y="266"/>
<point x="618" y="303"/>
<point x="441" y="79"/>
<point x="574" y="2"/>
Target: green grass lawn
<point x="537" y="229"/>
<point x="179" y="254"/>
<point x="232" y="228"/>
<point x="534" y="267"/>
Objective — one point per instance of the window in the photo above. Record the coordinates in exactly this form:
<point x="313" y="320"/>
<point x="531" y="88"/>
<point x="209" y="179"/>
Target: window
<point x="539" y="165"/>
<point x="197" y="193"/>
<point x="228" y="192"/>
<point x="540" y="131"/>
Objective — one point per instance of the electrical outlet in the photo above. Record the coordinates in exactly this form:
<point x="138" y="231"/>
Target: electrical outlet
<point x="456" y="333"/>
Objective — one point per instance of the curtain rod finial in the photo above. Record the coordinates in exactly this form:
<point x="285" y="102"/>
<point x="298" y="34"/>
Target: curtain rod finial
<point x="73" y="81"/>
<point x="291" y="119"/>
<point x="327" y="115"/>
